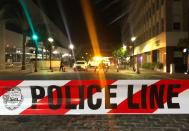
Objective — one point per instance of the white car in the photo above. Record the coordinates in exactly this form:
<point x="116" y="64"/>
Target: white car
<point x="80" y="65"/>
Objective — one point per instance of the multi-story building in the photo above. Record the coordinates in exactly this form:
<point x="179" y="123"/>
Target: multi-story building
<point x="159" y="25"/>
<point x="11" y="38"/>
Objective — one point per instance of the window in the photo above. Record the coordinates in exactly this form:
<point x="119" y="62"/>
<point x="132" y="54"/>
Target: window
<point x="176" y="26"/>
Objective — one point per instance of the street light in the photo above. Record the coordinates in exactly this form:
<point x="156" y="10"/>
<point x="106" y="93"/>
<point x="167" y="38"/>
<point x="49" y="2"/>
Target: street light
<point x="71" y="46"/>
<point x="51" y="40"/>
<point x="184" y="50"/>
<point x="35" y="38"/>
<point x="133" y="39"/>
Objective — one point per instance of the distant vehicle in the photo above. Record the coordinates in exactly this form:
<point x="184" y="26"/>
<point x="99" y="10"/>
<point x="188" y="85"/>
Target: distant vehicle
<point x="93" y="63"/>
<point x="80" y="65"/>
<point x="97" y="60"/>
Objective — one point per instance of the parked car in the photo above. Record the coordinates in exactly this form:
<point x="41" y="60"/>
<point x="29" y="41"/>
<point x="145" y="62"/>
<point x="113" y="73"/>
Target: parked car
<point x="80" y="65"/>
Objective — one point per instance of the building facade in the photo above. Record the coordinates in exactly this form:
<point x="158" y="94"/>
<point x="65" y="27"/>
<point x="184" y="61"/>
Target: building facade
<point x="159" y="25"/>
<point x="11" y="49"/>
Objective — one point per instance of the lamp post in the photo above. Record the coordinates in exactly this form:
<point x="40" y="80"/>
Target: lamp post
<point x="35" y="39"/>
<point x="133" y="51"/>
<point x="51" y="40"/>
<point x="71" y="46"/>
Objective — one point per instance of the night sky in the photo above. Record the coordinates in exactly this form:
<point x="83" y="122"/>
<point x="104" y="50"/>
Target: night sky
<point x="104" y="11"/>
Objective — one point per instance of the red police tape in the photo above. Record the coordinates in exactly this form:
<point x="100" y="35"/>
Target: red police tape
<point x="70" y="97"/>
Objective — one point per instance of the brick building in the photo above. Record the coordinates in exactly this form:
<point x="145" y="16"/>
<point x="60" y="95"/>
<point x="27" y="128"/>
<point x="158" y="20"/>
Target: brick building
<point x="159" y="25"/>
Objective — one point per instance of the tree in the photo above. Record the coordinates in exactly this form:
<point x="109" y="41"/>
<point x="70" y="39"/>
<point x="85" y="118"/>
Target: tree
<point x="120" y="53"/>
<point x="11" y="11"/>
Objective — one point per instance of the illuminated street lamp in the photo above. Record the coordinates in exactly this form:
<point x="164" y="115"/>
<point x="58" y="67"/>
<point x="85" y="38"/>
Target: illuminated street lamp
<point x="51" y="40"/>
<point x="35" y="38"/>
<point x="133" y="39"/>
<point x="184" y="50"/>
<point x="71" y="46"/>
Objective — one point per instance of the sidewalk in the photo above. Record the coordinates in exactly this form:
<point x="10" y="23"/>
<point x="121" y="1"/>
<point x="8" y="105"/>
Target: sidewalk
<point x="12" y="70"/>
<point x="158" y="73"/>
<point x="17" y="69"/>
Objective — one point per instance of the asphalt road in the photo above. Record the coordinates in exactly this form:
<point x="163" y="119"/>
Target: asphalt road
<point x="88" y="75"/>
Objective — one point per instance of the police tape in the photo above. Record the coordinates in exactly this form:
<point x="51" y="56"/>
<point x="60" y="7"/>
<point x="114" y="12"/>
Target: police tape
<point x="75" y="97"/>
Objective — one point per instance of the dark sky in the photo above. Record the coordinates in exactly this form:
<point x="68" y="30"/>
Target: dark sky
<point x="104" y="11"/>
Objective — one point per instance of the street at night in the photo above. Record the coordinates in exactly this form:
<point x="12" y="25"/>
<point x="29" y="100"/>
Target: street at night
<point x="94" y="65"/>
